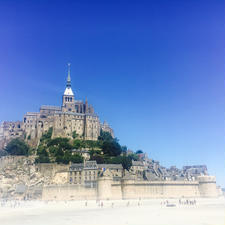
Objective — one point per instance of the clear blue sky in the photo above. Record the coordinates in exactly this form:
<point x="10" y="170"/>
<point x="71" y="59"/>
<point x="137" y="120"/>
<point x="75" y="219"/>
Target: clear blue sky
<point x="155" y="70"/>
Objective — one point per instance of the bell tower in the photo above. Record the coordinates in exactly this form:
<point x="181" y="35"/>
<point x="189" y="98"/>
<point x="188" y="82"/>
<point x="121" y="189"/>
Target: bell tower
<point x="68" y="96"/>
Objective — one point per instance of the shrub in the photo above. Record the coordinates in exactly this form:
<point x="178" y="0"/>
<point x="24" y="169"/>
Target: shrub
<point x="17" y="147"/>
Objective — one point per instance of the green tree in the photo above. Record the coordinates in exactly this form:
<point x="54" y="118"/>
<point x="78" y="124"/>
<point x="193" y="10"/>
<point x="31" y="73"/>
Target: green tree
<point x="92" y="144"/>
<point x="98" y="158"/>
<point x="114" y="160"/>
<point x="94" y="152"/>
<point x="74" y="135"/>
<point x="53" y="150"/>
<point x="42" y="155"/>
<point x="47" y="135"/>
<point x="111" y="148"/>
<point x="133" y="157"/>
<point x="67" y="157"/>
<point x="77" y="158"/>
<point x="31" y="151"/>
<point x="59" y="159"/>
<point x="126" y="162"/>
<point x="77" y="144"/>
<point x="3" y="153"/>
<point x="124" y="150"/>
<point x="105" y="136"/>
<point x="62" y="143"/>
<point x="109" y="145"/>
<point x="17" y="147"/>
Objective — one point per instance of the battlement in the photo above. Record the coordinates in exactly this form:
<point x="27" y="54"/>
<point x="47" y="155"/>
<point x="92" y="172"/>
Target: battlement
<point x="206" y="179"/>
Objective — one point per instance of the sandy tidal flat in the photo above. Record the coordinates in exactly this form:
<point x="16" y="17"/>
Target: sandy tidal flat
<point x="123" y="212"/>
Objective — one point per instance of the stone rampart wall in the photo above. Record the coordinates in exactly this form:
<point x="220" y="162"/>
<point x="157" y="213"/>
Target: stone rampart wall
<point x="50" y="169"/>
<point x="128" y="189"/>
<point x="9" y="160"/>
<point x="159" y="189"/>
<point x="116" y="190"/>
<point x="207" y="186"/>
<point x="68" y="192"/>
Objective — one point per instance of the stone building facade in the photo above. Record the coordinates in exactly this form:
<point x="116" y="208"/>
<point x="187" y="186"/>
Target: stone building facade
<point x="87" y="173"/>
<point x="73" y="115"/>
<point x="10" y="130"/>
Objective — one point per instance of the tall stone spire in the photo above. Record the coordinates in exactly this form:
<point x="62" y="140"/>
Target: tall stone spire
<point x="68" y="83"/>
<point x="68" y="90"/>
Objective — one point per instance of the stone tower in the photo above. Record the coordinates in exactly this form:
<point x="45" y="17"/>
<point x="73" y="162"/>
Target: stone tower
<point x="68" y="96"/>
<point x="207" y="186"/>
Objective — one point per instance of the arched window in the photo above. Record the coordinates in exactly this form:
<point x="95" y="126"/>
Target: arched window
<point x="76" y="107"/>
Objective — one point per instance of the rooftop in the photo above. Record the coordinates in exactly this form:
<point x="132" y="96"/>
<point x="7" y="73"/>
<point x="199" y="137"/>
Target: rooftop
<point x="68" y="91"/>
<point x="51" y="107"/>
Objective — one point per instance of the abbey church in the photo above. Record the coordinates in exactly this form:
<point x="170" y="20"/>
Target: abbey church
<point x="73" y="115"/>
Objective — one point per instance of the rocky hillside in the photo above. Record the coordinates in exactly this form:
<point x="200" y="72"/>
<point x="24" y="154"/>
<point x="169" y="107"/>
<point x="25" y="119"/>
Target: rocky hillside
<point x="18" y="176"/>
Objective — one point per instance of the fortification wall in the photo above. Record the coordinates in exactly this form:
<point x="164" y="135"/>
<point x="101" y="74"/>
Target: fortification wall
<point x="50" y="169"/>
<point x="130" y="189"/>
<point x="207" y="186"/>
<point x="116" y="190"/>
<point x="9" y="160"/>
<point x="68" y="192"/>
<point x="104" y="188"/>
<point x="159" y="189"/>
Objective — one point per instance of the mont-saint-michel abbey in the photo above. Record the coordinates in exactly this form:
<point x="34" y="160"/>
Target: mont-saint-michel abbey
<point x="131" y="132"/>
<point x="73" y="115"/>
<point x="72" y="171"/>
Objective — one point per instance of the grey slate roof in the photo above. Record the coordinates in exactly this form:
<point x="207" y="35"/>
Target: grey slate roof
<point x="93" y="165"/>
<point x="110" y="166"/>
<point x="51" y="107"/>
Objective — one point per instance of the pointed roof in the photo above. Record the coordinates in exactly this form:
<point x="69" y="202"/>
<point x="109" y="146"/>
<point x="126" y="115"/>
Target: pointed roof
<point x="68" y="83"/>
<point x="68" y="90"/>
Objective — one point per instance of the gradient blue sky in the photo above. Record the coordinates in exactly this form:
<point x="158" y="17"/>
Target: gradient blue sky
<point x="153" y="69"/>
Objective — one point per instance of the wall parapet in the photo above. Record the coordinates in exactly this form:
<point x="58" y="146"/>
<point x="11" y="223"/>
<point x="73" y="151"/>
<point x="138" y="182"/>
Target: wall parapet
<point x="127" y="182"/>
